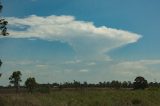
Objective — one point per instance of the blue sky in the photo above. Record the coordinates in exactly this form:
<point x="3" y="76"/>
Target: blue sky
<point x="85" y="40"/>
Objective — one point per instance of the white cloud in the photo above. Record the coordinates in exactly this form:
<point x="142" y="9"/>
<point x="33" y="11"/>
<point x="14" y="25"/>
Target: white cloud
<point x="88" y="41"/>
<point x="91" y="64"/>
<point x="131" y="69"/>
<point x="73" y="62"/>
<point x="41" y="66"/>
<point x="84" y="70"/>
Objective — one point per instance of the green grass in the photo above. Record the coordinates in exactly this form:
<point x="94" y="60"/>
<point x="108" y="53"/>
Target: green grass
<point x="87" y="97"/>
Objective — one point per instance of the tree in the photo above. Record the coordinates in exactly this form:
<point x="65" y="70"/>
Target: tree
<point x="0" y="62"/>
<point x="124" y="84"/>
<point x="15" y="79"/>
<point x="140" y="83"/>
<point x="115" y="84"/>
<point x="0" y="66"/>
<point x="30" y="84"/>
<point x="3" y="24"/>
<point x="85" y="84"/>
<point x="3" y="28"/>
<point x="76" y="84"/>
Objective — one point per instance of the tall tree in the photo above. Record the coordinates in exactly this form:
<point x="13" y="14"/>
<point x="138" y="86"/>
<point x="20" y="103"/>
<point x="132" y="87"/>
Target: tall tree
<point x="3" y="24"/>
<point x="30" y="84"/>
<point x="0" y="66"/>
<point x="3" y="29"/>
<point x="15" y="79"/>
<point x="0" y="63"/>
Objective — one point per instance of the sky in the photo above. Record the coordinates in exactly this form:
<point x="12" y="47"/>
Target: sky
<point x="83" y="40"/>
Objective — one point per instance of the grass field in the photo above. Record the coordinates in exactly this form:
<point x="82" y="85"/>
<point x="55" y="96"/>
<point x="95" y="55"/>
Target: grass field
<point x="84" y="97"/>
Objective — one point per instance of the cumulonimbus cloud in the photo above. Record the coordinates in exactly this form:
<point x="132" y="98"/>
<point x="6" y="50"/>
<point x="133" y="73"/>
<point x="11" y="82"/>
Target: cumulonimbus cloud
<point x="86" y="39"/>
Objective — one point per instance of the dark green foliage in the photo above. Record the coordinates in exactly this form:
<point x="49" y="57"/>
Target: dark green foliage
<point x="115" y="84"/>
<point x="0" y="62"/>
<point x="0" y="66"/>
<point x="140" y="83"/>
<point x="3" y="24"/>
<point x="154" y="85"/>
<point x="1" y="6"/>
<point x="124" y="84"/>
<point x="15" y="79"/>
<point x="30" y="84"/>
<point x="85" y="84"/>
<point x="3" y="28"/>
<point x="77" y="84"/>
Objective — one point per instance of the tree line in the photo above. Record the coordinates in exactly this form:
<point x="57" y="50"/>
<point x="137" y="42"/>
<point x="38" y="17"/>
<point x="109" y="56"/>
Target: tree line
<point x="31" y="84"/>
<point x="139" y="83"/>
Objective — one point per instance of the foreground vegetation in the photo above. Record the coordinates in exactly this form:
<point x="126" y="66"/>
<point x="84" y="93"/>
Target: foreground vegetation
<point x="84" y="97"/>
<point x="114" y="93"/>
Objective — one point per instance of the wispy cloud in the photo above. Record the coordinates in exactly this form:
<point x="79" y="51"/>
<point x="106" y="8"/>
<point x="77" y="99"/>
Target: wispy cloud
<point x="88" y="41"/>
